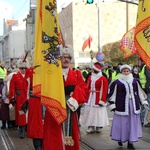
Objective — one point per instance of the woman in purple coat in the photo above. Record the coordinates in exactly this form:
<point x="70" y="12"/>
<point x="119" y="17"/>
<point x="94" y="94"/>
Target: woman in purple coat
<point x="125" y="98"/>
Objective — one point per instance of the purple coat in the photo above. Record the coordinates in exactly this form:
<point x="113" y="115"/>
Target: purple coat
<point x="121" y="93"/>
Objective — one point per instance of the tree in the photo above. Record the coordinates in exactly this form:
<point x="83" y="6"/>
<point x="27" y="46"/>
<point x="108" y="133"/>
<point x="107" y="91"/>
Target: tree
<point x="114" y="54"/>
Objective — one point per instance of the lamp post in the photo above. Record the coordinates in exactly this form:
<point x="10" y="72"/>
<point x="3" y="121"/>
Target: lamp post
<point x="99" y="56"/>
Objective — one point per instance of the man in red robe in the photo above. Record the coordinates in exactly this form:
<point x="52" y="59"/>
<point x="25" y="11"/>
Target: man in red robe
<point x="76" y="93"/>
<point x="35" y="123"/>
<point x="18" y="95"/>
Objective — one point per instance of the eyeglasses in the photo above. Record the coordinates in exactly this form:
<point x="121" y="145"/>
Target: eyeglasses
<point x="65" y="57"/>
<point x="23" y="68"/>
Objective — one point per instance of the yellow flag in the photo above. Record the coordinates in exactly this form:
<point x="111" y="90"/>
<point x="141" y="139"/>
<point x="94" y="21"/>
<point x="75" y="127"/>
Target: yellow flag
<point x="37" y="51"/>
<point x="127" y="43"/>
<point x="48" y="80"/>
<point x="142" y="31"/>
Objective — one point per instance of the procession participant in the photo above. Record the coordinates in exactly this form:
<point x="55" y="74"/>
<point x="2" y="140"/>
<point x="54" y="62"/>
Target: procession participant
<point x="144" y="78"/>
<point x="95" y="113"/>
<point x="3" y="73"/>
<point x="3" y="70"/>
<point x="4" y="107"/>
<point x="18" y="94"/>
<point x="11" y="107"/>
<point x="35" y="123"/>
<point x="125" y="98"/>
<point x="76" y="92"/>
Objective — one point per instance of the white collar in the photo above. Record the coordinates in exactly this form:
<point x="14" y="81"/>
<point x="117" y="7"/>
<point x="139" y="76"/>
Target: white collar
<point x="127" y="78"/>
<point x="65" y="73"/>
<point x="96" y="76"/>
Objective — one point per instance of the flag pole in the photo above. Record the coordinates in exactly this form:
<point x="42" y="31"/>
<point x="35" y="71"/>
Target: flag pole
<point x="63" y="41"/>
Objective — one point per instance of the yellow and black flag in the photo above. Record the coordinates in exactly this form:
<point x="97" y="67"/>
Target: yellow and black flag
<point x="48" y="79"/>
<point x="142" y="31"/>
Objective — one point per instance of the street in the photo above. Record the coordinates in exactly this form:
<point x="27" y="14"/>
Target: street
<point x="96" y="141"/>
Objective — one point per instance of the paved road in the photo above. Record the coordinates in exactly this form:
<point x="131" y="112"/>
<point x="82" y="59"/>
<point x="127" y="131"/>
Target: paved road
<point x="102" y="141"/>
<point x="95" y="141"/>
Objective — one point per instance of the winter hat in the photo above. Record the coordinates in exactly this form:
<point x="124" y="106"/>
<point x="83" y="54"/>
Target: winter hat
<point x="21" y="64"/>
<point x="97" y="67"/>
<point x="66" y="50"/>
<point x="125" y="67"/>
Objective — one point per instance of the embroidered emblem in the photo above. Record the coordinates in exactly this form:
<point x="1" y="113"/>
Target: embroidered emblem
<point x="52" y="53"/>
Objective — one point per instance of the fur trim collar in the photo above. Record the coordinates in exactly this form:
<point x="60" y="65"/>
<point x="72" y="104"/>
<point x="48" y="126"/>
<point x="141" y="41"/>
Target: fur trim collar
<point x="127" y="78"/>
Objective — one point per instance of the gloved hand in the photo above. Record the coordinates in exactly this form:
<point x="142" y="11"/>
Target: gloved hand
<point x="146" y="106"/>
<point x="13" y="101"/>
<point x="114" y="109"/>
<point x="25" y="106"/>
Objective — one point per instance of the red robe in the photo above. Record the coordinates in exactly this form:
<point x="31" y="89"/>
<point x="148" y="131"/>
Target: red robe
<point x="52" y="131"/>
<point x="20" y="83"/>
<point x="101" y="88"/>
<point x="80" y="94"/>
<point x="35" y="123"/>
<point x="52" y="135"/>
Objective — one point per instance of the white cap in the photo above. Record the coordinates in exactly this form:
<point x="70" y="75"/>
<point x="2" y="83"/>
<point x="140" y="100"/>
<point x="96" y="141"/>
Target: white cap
<point x="125" y="67"/>
<point x="20" y="63"/>
<point x="97" y="67"/>
<point x="66" y="50"/>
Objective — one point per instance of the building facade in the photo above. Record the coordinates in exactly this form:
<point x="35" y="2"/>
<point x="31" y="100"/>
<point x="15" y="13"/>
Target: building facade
<point x="106" y="23"/>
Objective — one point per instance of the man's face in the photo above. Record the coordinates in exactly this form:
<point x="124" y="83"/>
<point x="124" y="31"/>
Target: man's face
<point x="65" y="60"/>
<point x="22" y="70"/>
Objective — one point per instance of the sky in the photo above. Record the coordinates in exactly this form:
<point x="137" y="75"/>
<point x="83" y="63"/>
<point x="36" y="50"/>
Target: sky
<point x="17" y="10"/>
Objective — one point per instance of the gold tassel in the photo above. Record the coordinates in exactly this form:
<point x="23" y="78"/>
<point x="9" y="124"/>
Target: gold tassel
<point x="69" y="141"/>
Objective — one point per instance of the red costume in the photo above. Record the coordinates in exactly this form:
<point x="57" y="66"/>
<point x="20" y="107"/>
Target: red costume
<point x="74" y="84"/>
<point x="18" y="90"/>
<point x="79" y="96"/>
<point x="100" y="87"/>
<point x="35" y="123"/>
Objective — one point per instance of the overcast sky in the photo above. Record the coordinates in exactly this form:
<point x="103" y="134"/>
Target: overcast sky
<point x="17" y="9"/>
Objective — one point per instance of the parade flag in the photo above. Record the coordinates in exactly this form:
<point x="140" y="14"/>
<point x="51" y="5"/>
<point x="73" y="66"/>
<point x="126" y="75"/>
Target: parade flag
<point x="142" y="31"/>
<point x="127" y="43"/>
<point x="37" y="52"/>
<point x="87" y="42"/>
<point x="48" y="79"/>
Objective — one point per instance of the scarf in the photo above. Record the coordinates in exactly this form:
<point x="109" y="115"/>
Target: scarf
<point x="128" y="78"/>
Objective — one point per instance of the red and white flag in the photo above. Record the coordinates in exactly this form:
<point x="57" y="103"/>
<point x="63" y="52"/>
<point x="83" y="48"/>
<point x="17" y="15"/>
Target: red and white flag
<point x="87" y="42"/>
<point x="127" y="43"/>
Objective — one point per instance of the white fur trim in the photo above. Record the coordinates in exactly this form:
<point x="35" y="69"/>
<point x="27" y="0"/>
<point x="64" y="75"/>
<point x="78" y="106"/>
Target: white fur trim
<point x="112" y="106"/>
<point x="66" y="50"/>
<point x="125" y="66"/>
<point x="21" y="64"/>
<point x="103" y="103"/>
<point x="113" y="97"/>
<point x="72" y="103"/>
<point x="96" y="68"/>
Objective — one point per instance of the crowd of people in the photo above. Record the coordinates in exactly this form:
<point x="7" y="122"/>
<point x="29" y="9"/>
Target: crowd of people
<point x="124" y="88"/>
